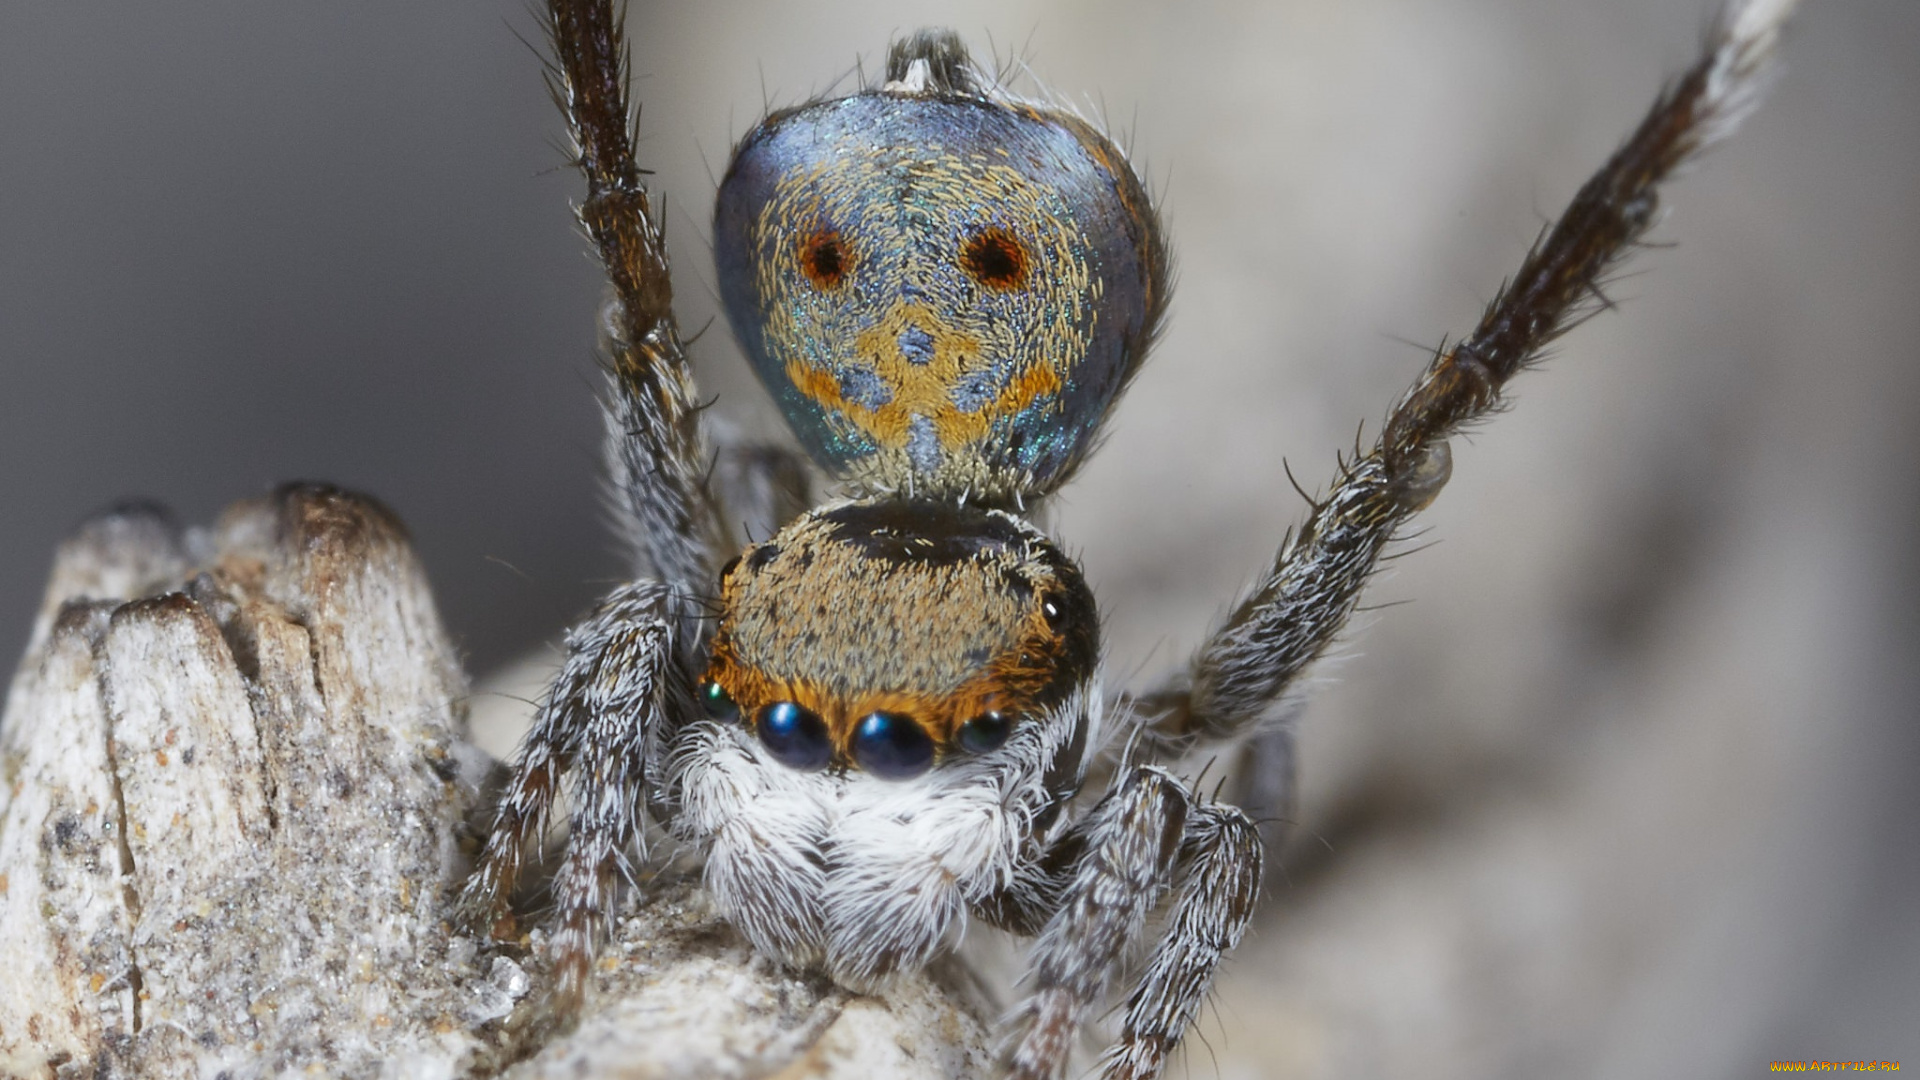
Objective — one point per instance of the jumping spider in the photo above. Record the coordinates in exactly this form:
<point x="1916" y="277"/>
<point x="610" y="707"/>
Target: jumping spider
<point x="877" y="724"/>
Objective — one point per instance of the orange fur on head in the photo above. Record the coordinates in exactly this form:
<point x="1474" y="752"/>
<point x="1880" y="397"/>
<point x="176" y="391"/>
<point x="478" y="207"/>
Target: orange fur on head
<point x="844" y="614"/>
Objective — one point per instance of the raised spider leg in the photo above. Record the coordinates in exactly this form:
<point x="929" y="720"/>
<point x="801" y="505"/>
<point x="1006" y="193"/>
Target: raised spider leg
<point x="605" y="718"/>
<point x="655" y="447"/>
<point x="624" y="685"/>
<point x="1304" y="600"/>
<point x="1147" y="835"/>
<point x="760" y="486"/>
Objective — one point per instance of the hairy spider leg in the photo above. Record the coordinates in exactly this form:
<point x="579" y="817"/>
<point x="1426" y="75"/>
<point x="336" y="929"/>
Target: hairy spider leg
<point x="608" y="714"/>
<point x="761" y="487"/>
<point x="656" y="449"/>
<point x="1220" y="873"/>
<point x="1148" y="835"/>
<point x="623" y="688"/>
<point x="1304" y="600"/>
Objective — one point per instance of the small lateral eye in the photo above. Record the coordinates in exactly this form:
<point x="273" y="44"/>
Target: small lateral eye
<point x="1055" y="614"/>
<point x="892" y="746"/>
<point x="717" y="702"/>
<point x="823" y="258"/>
<point x="796" y="737"/>
<point x="985" y="733"/>
<point x="996" y="258"/>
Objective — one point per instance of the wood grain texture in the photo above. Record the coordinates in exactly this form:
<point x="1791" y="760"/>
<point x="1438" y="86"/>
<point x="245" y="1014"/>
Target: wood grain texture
<point x="236" y="787"/>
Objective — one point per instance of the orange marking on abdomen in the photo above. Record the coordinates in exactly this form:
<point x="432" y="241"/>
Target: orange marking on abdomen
<point x="923" y="389"/>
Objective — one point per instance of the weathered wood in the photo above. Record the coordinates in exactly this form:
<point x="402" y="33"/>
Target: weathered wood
<point x="236" y="790"/>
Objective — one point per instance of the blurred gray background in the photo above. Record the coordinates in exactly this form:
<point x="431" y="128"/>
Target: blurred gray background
<point x="1626" y="791"/>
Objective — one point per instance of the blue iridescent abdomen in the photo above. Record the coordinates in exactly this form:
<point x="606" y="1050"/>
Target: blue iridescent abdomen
<point x="944" y="289"/>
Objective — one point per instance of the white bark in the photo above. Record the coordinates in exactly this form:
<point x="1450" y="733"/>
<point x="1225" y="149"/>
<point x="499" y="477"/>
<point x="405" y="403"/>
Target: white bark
<point x="236" y="786"/>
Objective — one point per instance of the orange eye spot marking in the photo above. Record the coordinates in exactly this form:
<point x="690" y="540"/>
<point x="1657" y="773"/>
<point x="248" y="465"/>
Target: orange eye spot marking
<point x="823" y="259"/>
<point x="997" y="259"/>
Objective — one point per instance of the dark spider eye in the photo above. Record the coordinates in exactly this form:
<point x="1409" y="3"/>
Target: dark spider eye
<point x="996" y="258"/>
<point x="984" y="733"/>
<point x="823" y="259"/>
<point x="717" y="702"/>
<point x="1056" y="615"/>
<point x="891" y="746"/>
<point x="796" y="737"/>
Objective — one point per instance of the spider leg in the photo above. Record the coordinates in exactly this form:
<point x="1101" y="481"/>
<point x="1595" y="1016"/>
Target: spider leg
<point x="606" y="717"/>
<point x="1038" y="887"/>
<point x="763" y="486"/>
<point x="1220" y="870"/>
<point x="1146" y="835"/>
<point x="655" y="446"/>
<point x="1305" y="598"/>
<point x="1264" y="781"/>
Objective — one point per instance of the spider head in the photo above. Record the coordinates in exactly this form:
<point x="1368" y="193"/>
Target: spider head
<point x="891" y="637"/>
<point x="944" y="287"/>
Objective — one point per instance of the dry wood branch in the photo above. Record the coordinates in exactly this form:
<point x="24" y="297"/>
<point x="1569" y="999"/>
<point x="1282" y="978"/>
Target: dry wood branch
<point x="236" y="781"/>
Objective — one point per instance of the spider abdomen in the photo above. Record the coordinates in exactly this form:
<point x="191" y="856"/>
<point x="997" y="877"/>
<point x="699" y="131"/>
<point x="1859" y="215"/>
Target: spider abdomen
<point x="944" y="287"/>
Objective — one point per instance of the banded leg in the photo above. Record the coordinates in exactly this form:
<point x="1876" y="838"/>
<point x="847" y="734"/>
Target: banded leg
<point x="1220" y="873"/>
<point x="1147" y="835"/>
<point x="607" y="715"/>
<point x="655" y="447"/>
<point x="1304" y="600"/>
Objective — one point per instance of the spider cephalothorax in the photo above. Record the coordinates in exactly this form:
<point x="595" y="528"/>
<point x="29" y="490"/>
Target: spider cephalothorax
<point x="897" y="703"/>
<point x="876" y="723"/>
<point x="966" y="622"/>
<point x="898" y="710"/>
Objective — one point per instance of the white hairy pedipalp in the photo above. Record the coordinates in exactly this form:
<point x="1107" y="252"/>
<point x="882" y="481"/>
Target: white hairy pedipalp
<point x="867" y="877"/>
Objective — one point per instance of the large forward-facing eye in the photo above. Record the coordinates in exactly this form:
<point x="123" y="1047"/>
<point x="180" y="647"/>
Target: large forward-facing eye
<point x="891" y="746"/>
<point x="796" y="737"/>
<point x="996" y="258"/>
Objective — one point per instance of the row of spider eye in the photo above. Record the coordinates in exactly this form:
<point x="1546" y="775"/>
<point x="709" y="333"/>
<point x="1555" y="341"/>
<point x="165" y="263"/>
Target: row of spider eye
<point x="888" y="745"/>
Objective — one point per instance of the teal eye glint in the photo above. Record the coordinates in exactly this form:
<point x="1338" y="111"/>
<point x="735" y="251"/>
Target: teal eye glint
<point x="717" y="703"/>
